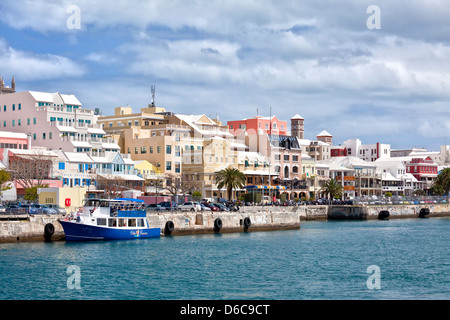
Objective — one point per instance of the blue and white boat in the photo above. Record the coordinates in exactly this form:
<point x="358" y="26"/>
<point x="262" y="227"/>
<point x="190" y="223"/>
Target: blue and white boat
<point x="109" y="219"/>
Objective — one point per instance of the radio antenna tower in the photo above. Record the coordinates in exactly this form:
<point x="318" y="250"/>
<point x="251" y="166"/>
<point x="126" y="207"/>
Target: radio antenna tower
<point x="153" y="95"/>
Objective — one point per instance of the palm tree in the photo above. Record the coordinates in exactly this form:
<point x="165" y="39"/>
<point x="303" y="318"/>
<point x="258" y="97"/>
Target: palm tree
<point x="442" y="183"/>
<point x="230" y="178"/>
<point x="333" y="188"/>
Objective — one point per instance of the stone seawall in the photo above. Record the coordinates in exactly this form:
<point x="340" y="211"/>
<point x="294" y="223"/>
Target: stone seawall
<point x="17" y="228"/>
<point x="247" y="219"/>
<point x="183" y="223"/>
<point x="394" y="211"/>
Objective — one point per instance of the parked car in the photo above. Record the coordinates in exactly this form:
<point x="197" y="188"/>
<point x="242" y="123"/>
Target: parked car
<point x="58" y="209"/>
<point x="191" y="205"/>
<point x="42" y="208"/>
<point x="221" y="207"/>
<point x="2" y="209"/>
<point x="26" y="208"/>
<point x="213" y="208"/>
<point x="205" y="208"/>
<point x="154" y="207"/>
<point x="168" y="205"/>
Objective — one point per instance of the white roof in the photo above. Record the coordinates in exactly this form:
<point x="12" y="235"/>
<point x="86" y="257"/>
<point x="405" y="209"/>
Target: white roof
<point x="78" y="157"/>
<point x="42" y="96"/>
<point x="81" y="144"/>
<point x="297" y="117"/>
<point x="8" y="134"/>
<point x="70" y="99"/>
<point x="67" y="129"/>
<point x="324" y="134"/>
<point x="122" y="176"/>
<point x="110" y="146"/>
<point x="50" y="97"/>
<point x="387" y="176"/>
<point x="96" y="131"/>
<point x="33" y="152"/>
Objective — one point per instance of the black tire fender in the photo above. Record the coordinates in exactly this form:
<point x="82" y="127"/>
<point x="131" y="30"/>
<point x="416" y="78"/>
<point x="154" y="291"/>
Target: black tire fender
<point x="169" y="227"/>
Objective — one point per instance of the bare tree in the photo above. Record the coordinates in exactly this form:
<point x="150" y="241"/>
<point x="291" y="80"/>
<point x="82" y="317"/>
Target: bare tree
<point x="112" y="186"/>
<point x="30" y="170"/>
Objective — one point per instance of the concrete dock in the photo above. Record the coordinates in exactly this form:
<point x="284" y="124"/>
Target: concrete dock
<point x="18" y="228"/>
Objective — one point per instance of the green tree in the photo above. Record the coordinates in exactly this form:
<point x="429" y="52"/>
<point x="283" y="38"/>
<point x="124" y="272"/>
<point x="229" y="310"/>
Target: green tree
<point x="442" y="182"/>
<point x="4" y="178"/>
<point x="31" y="194"/>
<point x="333" y="188"/>
<point x="230" y="178"/>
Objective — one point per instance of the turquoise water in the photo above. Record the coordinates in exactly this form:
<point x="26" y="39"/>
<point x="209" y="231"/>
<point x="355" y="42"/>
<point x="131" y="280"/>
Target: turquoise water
<point x="322" y="260"/>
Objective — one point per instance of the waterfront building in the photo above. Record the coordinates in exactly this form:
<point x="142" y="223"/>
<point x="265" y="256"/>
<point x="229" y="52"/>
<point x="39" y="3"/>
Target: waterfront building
<point x="395" y="179"/>
<point x="161" y="137"/>
<point x="55" y="121"/>
<point x="325" y="137"/>
<point x="441" y="157"/>
<point x="268" y="125"/>
<point x="153" y="177"/>
<point x="283" y="152"/>
<point x="13" y="140"/>
<point x="366" y="152"/>
<point x="82" y="170"/>
<point x="424" y="170"/>
<point x="358" y="177"/>
<point x="32" y="166"/>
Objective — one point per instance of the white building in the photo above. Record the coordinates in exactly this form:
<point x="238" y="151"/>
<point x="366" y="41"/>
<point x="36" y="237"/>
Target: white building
<point x="394" y="176"/>
<point x="367" y="152"/>
<point x="55" y="121"/>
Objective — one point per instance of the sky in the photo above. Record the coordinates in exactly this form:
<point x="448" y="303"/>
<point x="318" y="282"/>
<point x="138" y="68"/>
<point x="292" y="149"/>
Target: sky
<point x="379" y="75"/>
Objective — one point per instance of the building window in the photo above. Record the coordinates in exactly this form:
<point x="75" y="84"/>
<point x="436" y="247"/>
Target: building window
<point x="43" y="136"/>
<point x="13" y="123"/>
<point x="20" y="106"/>
<point x="151" y="149"/>
<point x="13" y="107"/>
<point x="168" y="149"/>
<point x="168" y="165"/>
<point x="34" y="120"/>
<point x="62" y="166"/>
<point x="143" y="150"/>
<point x="158" y="149"/>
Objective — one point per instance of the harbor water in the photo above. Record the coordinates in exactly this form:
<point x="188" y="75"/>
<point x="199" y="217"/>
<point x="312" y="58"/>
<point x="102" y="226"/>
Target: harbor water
<point x="370" y="260"/>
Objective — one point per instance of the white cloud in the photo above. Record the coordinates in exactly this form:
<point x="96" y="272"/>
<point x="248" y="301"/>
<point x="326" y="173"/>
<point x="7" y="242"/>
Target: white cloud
<point x="30" y="66"/>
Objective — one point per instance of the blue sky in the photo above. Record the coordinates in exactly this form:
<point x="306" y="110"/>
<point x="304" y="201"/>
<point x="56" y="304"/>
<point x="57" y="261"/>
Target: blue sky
<point x="229" y="58"/>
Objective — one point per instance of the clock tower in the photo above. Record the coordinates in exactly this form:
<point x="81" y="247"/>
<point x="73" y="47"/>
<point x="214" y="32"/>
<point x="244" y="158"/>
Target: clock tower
<point x="297" y="127"/>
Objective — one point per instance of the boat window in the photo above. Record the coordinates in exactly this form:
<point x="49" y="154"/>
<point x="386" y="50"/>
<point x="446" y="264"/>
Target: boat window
<point x="91" y="203"/>
<point x="112" y="222"/>
<point x="132" y="222"/>
<point x="122" y="222"/>
<point x="104" y="204"/>
<point x="101" y="221"/>
<point x="141" y="223"/>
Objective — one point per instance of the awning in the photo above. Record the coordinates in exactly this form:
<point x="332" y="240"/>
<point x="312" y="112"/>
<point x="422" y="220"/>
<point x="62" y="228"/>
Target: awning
<point x="266" y="187"/>
<point x="131" y="177"/>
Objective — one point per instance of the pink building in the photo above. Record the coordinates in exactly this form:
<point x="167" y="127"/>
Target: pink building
<point x="13" y="140"/>
<point x="257" y="124"/>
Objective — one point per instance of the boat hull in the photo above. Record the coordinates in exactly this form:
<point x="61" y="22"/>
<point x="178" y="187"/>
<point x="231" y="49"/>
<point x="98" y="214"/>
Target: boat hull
<point x="75" y="231"/>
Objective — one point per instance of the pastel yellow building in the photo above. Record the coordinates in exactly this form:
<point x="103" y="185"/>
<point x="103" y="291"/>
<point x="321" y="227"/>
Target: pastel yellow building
<point x="58" y="196"/>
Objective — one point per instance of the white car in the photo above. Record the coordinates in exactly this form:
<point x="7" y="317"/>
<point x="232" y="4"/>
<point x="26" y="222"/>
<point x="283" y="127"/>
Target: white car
<point x="191" y="205"/>
<point x="2" y="208"/>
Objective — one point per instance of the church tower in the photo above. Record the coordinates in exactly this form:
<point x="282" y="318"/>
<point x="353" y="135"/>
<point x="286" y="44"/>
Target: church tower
<point x="4" y="89"/>
<point x="297" y="127"/>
